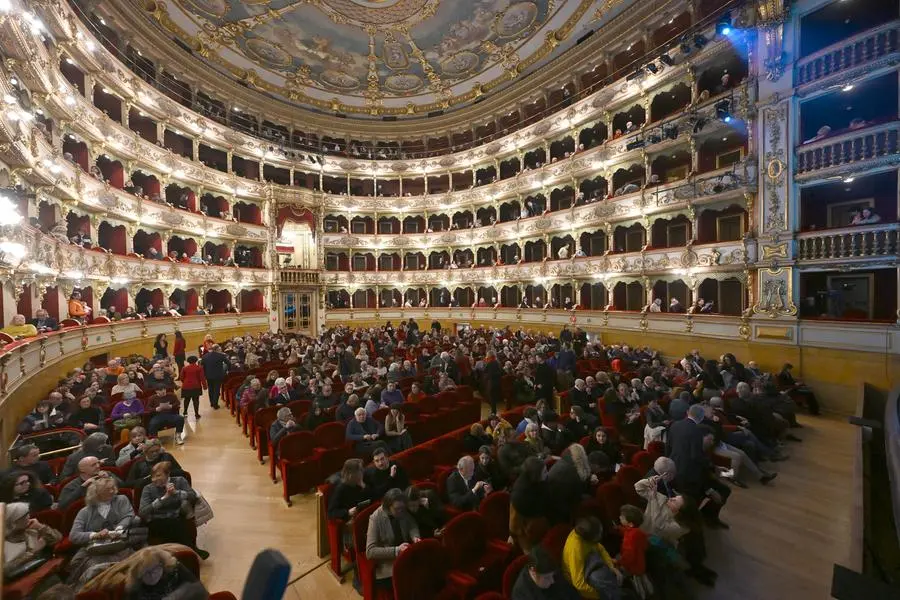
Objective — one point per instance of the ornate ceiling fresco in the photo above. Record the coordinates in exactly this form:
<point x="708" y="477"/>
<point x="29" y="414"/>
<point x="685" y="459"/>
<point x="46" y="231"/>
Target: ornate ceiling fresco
<point x="375" y="57"/>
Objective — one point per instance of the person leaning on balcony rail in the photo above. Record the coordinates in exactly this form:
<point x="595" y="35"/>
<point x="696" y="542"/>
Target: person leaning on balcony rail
<point x="44" y="322"/>
<point x="19" y="328"/>
<point x="78" y="309"/>
<point x="866" y="216"/>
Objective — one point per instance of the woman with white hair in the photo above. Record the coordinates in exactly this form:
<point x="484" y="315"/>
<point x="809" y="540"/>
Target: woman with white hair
<point x="25" y="540"/>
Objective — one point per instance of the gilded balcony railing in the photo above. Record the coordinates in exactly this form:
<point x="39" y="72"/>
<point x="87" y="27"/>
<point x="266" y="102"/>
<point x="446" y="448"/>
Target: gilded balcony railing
<point x="298" y="277"/>
<point x="861" y="49"/>
<point x="848" y="148"/>
<point x="862" y="241"/>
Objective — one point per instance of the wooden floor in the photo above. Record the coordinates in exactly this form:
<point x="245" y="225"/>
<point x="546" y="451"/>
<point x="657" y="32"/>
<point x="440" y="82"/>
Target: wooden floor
<point x="782" y="543"/>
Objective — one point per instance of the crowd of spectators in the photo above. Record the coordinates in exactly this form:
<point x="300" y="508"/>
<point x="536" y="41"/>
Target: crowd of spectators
<point x="702" y="410"/>
<point x="118" y="496"/>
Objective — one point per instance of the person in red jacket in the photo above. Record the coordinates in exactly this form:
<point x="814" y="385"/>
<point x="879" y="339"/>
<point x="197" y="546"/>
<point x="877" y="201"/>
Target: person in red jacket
<point x="633" y="559"/>
<point x="193" y="382"/>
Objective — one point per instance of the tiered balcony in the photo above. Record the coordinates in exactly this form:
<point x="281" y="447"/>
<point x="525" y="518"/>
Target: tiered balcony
<point x="867" y="148"/>
<point x="868" y="50"/>
<point x="708" y="257"/>
<point x="852" y="244"/>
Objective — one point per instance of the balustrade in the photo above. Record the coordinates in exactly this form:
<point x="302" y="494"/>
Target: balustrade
<point x="864" y="241"/>
<point x="849" y="148"/>
<point x="855" y="51"/>
<point x="299" y="276"/>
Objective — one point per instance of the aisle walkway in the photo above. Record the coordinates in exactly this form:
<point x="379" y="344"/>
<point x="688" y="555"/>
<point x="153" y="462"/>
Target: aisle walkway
<point x="781" y="546"/>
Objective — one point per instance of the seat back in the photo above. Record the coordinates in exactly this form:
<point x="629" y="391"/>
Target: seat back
<point x="611" y="498"/>
<point x="447" y="450"/>
<point x="628" y="476"/>
<point x="421" y="571"/>
<point x="495" y="510"/>
<point x="555" y="540"/>
<point x="642" y="461"/>
<point x="264" y="417"/>
<point x="428" y="405"/>
<point x="446" y="399"/>
<point x="299" y="407"/>
<point x="330" y="435"/>
<point x="69" y="515"/>
<point x="465" y="538"/>
<point x="380" y="414"/>
<point x="511" y="574"/>
<point x="298" y="445"/>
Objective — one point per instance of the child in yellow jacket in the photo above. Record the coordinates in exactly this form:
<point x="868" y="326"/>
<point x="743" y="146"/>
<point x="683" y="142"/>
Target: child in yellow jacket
<point x="580" y="545"/>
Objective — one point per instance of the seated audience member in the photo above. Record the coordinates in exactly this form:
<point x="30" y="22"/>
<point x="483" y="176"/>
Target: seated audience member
<point x="25" y="540"/>
<point x="463" y="490"/>
<point x="142" y="469"/>
<point x="415" y="393"/>
<point x="27" y="457"/>
<point x="586" y="563"/>
<point x="281" y="393"/>
<point x="165" y="503"/>
<point x="87" y="417"/>
<point x="159" y="379"/>
<point x="600" y="442"/>
<point x="496" y="426"/>
<point x="43" y="322"/>
<point x="44" y="417"/>
<point x="529" y="416"/>
<point x="24" y="486"/>
<point x="383" y="474"/>
<point x="395" y="433"/>
<point x="534" y="442"/>
<point x="283" y="424"/>
<point x="152" y="572"/>
<point x="425" y="508"/>
<point x="738" y="458"/>
<point x="633" y="552"/>
<point x="541" y="579"/>
<point x="134" y="448"/>
<point x="350" y="494"/>
<point x="578" y="396"/>
<point x="488" y="470"/>
<point x="315" y="417"/>
<point x="695" y="472"/>
<point x="554" y="436"/>
<point x="165" y="410"/>
<point x="391" y="395"/>
<point x="127" y="412"/>
<point x="796" y="389"/>
<point x="391" y="531"/>
<point x="254" y="396"/>
<point x="476" y="437"/>
<point x="19" y="328"/>
<point x="346" y="410"/>
<point x="105" y="518"/>
<point x="124" y="384"/>
<point x="88" y="470"/>
<point x="365" y="432"/>
<point x="96" y="444"/>
<point x="580" y="424"/>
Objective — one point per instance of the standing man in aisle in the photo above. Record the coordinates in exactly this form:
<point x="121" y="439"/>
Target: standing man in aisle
<point x="215" y="368"/>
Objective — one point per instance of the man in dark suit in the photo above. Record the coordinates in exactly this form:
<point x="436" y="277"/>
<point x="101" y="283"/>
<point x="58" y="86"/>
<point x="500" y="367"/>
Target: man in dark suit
<point x="44" y="322"/>
<point x="493" y="374"/>
<point x="695" y="472"/>
<point x="464" y="491"/>
<point x="578" y="396"/>
<point x="215" y="368"/>
<point x="544" y="379"/>
<point x="383" y="474"/>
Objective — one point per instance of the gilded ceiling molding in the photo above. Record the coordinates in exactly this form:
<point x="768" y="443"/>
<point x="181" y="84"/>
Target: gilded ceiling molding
<point x="618" y="29"/>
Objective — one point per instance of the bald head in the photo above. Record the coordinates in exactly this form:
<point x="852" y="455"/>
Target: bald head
<point x="88" y="467"/>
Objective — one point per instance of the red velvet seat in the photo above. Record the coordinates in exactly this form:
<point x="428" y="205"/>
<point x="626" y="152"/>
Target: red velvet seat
<point x="423" y="572"/>
<point x="447" y="451"/>
<point x="299" y="408"/>
<point x="472" y="553"/>
<point x="642" y="461"/>
<point x="656" y="449"/>
<point x="555" y="540"/>
<point x="262" y="421"/>
<point x="22" y="587"/>
<point x="441" y="482"/>
<point x="611" y="498"/>
<point x="298" y="463"/>
<point x="365" y="567"/>
<point x="511" y="574"/>
<point x="418" y="462"/>
<point x="335" y="533"/>
<point x="495" y="510"/>
<point x="626" y="478"/>
<point x="333" y="447"/>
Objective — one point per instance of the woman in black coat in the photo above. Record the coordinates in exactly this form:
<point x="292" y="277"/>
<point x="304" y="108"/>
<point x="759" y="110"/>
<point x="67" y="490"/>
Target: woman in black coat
<point x="529" y="504"/>
<point x="24" y="486"/>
